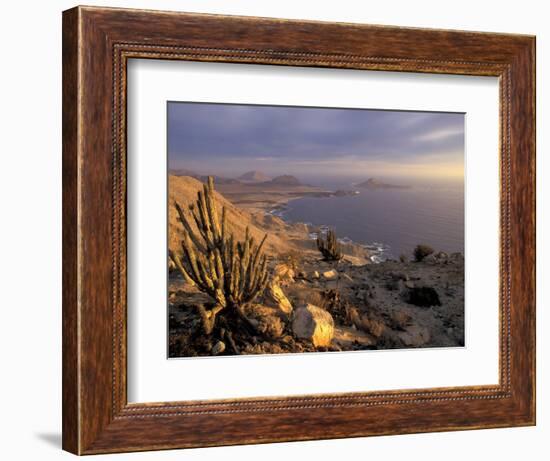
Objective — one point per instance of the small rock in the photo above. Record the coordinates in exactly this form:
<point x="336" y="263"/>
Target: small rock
<point x="218" y="348"/>
<point x="315" y="275"/>
<point x="409" y="284"/>
<point x="314" y="324"/>
<point x="330" y="275"/>
<point x="287" y="340"/>
<point x="347" y="277"/>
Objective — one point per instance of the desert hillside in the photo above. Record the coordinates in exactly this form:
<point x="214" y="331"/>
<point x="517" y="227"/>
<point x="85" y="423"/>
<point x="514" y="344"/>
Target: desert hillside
<point x="183" y="190"/>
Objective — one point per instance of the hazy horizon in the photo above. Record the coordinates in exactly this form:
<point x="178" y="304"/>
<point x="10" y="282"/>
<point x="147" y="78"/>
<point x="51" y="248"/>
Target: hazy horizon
<point x="340" y="145"/>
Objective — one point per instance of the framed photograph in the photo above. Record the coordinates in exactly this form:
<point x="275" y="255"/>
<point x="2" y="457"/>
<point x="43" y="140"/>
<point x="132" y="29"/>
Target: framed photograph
<point x="284" y="230"/>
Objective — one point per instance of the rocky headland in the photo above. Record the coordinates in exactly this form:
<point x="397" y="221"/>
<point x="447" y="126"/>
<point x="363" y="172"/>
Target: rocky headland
<point x="373" y="184"/>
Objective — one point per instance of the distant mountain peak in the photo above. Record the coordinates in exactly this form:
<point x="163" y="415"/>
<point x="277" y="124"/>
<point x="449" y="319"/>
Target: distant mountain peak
<point x="287" y="180"/>
<point x="253" y="176"/>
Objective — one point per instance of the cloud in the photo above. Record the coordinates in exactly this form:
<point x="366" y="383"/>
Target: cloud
<point x="440" y="134"/>
<point x="308" y="139"/>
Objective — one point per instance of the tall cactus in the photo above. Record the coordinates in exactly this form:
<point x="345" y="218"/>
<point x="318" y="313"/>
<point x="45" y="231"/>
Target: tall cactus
<point x="330" y="248"/>
<point x="231" y="273"/>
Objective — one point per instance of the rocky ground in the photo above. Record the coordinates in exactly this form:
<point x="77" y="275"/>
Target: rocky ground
<point x="313" y="305"/>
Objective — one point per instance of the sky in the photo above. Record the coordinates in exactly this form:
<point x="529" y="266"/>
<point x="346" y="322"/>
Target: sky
<point x="230" y="139"/>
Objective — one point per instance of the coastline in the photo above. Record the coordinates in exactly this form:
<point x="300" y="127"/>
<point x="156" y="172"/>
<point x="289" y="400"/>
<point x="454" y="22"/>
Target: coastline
<point x="272" y="201"/>
<point x="378" y="252"/>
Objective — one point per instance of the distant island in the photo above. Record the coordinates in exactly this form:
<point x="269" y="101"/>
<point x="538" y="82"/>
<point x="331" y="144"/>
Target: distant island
<point x="258" y="178"/>
<point x="253" y="178"/>
<point x="373" y="183"/>
<point x="286" y="180"/>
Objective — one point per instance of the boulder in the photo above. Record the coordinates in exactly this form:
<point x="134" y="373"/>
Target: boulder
<point x="314" y="324"/>
<point x="284" y="273"/>
<point x="274" y="295"/>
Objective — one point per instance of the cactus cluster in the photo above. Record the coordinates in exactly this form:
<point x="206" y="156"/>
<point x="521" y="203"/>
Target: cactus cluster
<point x="329" y="247"/>
<point x="232" y="273"/>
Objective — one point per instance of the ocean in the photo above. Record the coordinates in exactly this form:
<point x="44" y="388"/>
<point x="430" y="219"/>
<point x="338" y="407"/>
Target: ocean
<point x="389" y="221"/>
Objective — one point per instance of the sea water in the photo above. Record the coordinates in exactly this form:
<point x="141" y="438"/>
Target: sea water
<point x="390" y="222"/>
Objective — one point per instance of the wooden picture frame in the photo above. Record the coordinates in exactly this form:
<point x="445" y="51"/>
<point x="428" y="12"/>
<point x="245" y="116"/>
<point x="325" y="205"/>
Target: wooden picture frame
<point x="97" y="43"/>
